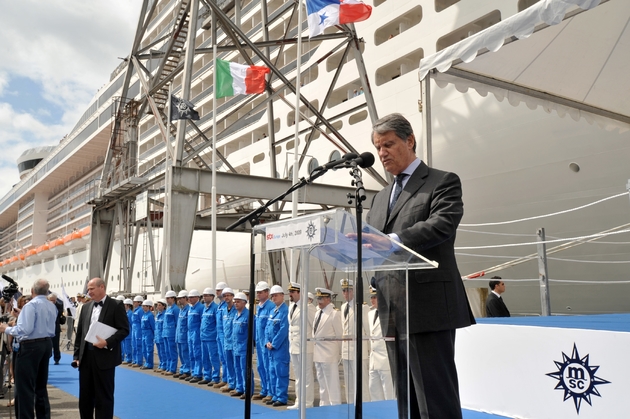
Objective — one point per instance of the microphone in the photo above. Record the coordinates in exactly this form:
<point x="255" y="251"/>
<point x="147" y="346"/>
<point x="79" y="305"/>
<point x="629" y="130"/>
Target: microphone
<point x="365" y="160"/>
<point x="332" y="164"/>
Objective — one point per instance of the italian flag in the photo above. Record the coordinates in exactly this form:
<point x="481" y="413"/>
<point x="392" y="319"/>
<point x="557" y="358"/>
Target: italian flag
<point x="235" y="79"/>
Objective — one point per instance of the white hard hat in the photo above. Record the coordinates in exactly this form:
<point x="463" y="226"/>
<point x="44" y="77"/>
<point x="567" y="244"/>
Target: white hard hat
<point x="261" y="286"/>
<point x="228" y="290"/>
<point x="147" y="303"/>
<point x="162" y="301"/>
<point x="182" y="294"/>
<point x="128" y="301"/>
<point x="208" y="291"/>
<point x="311" y="296"/>
<point x="240" y="296"/>
<point x="138" y="298"/>
<point x="276" y="289"/>
<point x="221" y="285"/>
<point x="120" y="297"/>
<point x="171" y="294"/>
<point x="193" y="293"/>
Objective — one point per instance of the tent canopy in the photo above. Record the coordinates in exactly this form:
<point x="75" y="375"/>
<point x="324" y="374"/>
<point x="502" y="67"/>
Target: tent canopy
<point x="576" y="60"/>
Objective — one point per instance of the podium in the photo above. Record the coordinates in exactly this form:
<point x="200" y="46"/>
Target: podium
<point x="320" y="251"/>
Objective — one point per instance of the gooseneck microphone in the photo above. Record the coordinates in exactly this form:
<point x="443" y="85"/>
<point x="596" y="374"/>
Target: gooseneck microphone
<point x="365" y="160"/>
<point x="339" y="162"/>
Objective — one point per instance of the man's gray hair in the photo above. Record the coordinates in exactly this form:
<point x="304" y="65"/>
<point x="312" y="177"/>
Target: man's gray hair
<point x="99" y="282"/>
<point x="41" y="287"/>
<point x="394" y="122"/>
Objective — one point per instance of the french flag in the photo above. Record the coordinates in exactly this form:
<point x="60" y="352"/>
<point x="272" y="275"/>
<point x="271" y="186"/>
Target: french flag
<point x="325" y="13"/>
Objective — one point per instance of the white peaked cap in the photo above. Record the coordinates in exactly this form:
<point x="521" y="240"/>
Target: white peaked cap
<point x="311" y="296"/>
<point x="240" y="296"/>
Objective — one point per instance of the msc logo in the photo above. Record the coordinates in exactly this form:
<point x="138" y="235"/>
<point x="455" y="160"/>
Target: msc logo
<point x="577" y="378"/>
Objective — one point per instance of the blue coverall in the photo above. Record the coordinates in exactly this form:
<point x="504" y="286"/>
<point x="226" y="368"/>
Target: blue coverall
<point x="159" y="339"/>
<point x="181" y="338"/>
<point x="239" y="346"/>
<point x="209" y="348"/>
<point x="171" y="315"/>
<point x="277" y="333"/>
<point x="194" y="338"/>
<point x="228" y="319"/>
<point x="262" y="353"/>
<point x="148" y="337"/>
<point x="136" y="335"/>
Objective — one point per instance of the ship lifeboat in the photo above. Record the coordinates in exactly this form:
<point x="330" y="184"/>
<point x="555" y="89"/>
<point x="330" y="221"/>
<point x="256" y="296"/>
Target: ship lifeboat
<point x="56" y="246"/>
<point x="13" y="259"/>
<point x="22" y="256"/>
<point x="31" y="252"/>
<point x="85" y="233"/>
<point x="44" y="250"/>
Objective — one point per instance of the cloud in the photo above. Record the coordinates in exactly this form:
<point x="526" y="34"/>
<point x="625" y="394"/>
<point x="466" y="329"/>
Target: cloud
<point x="68" y="48"/>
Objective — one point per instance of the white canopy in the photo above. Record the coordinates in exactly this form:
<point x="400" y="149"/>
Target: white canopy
<point x="578" y="65"/>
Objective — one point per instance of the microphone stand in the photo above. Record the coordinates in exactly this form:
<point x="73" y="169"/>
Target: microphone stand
<point x="254" y="219"/>
<point x="358" y="198"/>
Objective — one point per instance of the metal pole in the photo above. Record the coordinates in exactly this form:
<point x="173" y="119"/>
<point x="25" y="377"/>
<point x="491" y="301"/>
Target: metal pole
<point x="425" y="108"/>
<point x="543" y="273"/>
<point x="305" y="255"/>
<point x="214" y="150"/>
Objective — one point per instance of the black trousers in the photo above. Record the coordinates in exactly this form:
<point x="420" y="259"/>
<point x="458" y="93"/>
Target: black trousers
<point x="31" y="378"/>
<point x="96" y="388"/>
<point x="433" y="385"/>
<point x="55" y="343"/>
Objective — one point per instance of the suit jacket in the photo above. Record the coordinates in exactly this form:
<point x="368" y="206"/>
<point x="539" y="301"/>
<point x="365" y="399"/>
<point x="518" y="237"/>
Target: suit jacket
<point x="425" y="218"/>
<point x="495" y="306"/>
<point x="295" y="322"/>
<point x="329" y="326"/>
<point x="112" y="314"/>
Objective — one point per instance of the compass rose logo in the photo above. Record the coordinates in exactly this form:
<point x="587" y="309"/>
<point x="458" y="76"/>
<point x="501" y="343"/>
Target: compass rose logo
<point x="577" y="378"/>
<point x="311" y="230"/>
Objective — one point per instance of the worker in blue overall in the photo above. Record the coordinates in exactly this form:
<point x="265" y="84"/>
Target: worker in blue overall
<point x="159" y="335"/>
<point x="127" y="347"/>
<point x="209" y="348"/>
<point x="221" y="304"/>
<point x="136" y="332"/>
<point x="169" y="332"/>
<point x="148" y="334"/>
<point x="181" y="336"/>
<point x="277" y="342"/>
<point x="263" y="309"/>
<point x="239" y="342"/>
<point x="194" y="335"/>
<point x="228" y="319"/>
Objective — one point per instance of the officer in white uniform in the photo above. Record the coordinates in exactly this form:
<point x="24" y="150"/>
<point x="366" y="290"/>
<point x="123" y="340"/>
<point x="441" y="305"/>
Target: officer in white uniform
<point x="348" y="348"/>
<point x="327" y="353"/>
<point x="295" y="322"/>
<point x="381" y="386"/>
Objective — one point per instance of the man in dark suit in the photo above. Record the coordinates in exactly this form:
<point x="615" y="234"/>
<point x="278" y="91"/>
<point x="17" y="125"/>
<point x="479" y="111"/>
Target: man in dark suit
<point x="421" y="210"/>
<point x="60" y="320"/>
<point x="97" y="362"/>
<point x="495" y="306"/>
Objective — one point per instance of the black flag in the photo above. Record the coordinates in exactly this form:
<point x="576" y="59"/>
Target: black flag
<point x="182" y="109"/>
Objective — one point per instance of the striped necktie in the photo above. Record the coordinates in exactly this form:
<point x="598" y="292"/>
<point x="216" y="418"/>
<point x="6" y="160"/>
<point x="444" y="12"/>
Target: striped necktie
<point x="397" y="191"/>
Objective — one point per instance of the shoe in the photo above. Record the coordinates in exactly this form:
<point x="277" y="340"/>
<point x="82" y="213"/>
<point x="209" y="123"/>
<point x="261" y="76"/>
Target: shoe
<point x="212" y="384"/>
<point x="202" y="382"/>
<point x="266" y="399"/>
<point x="184" y="376"/>
<point x="56" y="362"/>
<point x="11" y="403"/>
<point x="233" y="392"/>
<point x="293" y="407"/>
<point x="258" y="397"/>
<point x="278" y="403"/>
<point x="177" y="375"/>
<point x="195" y="380"/>
<point x="269" y="402"/>
<point x="144" y="368"/>
<point x="226" y="389"/>
<point x="124" y="362"/>
<point x="188" y="378"/>
<point x="135" y="366"/>
<point x="167" y="373"/>
<point x="243" y="397"/>
<point x="237" y="394"/>
<point x="219" y="385"/>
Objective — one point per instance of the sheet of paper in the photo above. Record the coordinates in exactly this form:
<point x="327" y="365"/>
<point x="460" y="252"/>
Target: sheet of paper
<point x="101" y="330"/>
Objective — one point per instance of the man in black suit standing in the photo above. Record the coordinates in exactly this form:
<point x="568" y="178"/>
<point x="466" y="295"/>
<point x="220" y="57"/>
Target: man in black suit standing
<point x="97" y="362"/>
<point x="495" y="306"/>
<point x="421" y="210"/>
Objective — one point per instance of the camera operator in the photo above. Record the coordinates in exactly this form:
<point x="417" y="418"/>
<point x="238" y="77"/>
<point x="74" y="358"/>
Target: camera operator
<point x="34" y="331"/>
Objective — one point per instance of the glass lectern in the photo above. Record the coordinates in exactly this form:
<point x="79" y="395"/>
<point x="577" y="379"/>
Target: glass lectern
<point x="319" y="251"/>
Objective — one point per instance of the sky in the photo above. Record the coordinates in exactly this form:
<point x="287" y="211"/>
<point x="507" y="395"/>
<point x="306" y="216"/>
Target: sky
<point x="54" y="56"/>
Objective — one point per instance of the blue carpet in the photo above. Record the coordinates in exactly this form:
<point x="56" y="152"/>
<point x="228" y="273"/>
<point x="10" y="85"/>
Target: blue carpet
<point x="608" y="322"/>
<point x="140" y="395"/>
